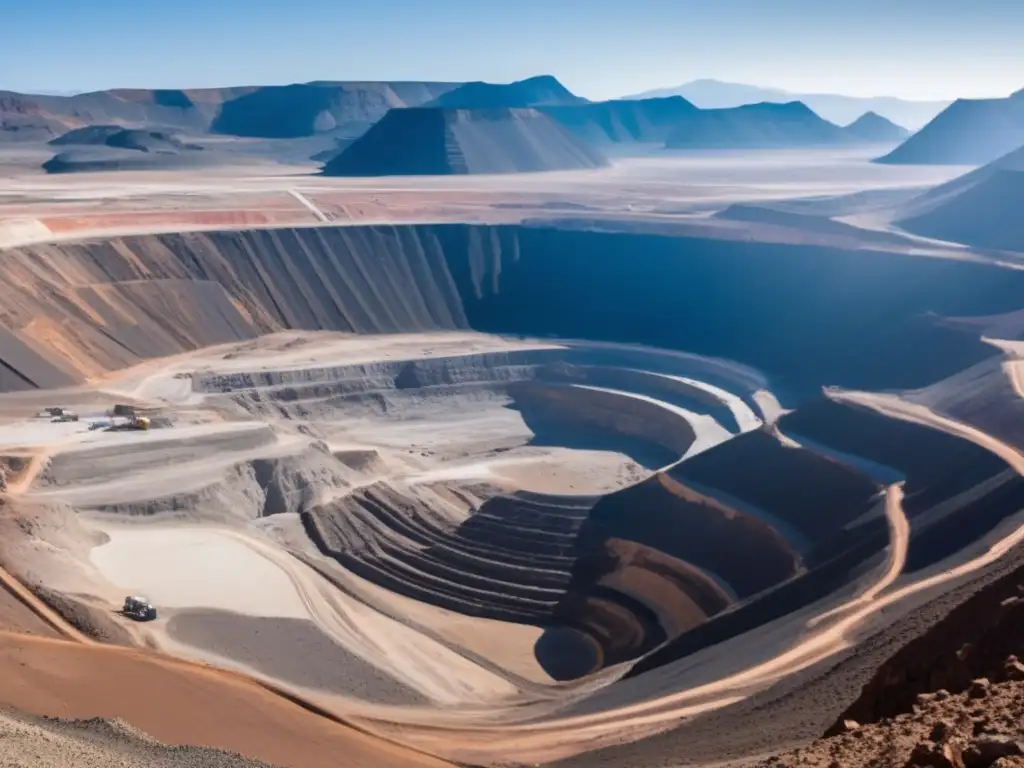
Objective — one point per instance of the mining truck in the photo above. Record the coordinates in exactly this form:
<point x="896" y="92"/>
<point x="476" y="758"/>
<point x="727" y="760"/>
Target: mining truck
<point x="138" y="608"/>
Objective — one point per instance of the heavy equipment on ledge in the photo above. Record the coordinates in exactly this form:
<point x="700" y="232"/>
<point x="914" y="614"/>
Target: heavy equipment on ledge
<point x="138" y="608"/>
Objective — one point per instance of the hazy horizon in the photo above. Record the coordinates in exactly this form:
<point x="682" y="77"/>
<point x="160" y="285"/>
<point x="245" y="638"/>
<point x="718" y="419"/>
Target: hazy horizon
<point x="920" y="50"/>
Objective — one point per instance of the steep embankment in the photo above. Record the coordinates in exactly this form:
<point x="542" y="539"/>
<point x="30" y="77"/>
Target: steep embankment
<point x="23" y="119"/>
<point x="439" y="142"/>
<point x="982" y="208"/>
<point x="178" y="702"/>
<point x="968" y="132"/>
<point x="75" y="310"/>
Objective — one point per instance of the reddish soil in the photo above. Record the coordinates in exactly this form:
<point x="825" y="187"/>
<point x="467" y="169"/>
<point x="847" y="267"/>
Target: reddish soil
<point x="181" y="703"/>
<point x="15" y="616"/>
<point x="184" y="219"/>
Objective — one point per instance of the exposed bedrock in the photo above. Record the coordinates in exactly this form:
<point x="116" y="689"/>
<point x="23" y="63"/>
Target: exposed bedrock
<point x="855" y="318"/>
<point x="518" y="558"/>
<point x="955" y="492"/>
<point x="241" y="475"/>
<point x="973" y="640"/>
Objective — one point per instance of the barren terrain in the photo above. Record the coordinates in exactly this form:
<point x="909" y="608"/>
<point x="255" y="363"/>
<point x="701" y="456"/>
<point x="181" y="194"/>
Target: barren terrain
<point x="491" y="472"/>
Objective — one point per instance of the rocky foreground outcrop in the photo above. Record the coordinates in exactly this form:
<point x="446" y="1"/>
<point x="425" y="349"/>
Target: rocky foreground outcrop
<point x="982" y="727"/>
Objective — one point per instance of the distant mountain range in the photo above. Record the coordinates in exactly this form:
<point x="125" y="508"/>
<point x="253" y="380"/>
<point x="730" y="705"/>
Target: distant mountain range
<point x="532" y="124"/>
<point x="843" y="110"/>
<point x="757" y="126"/>
<point x="649" y="121"/>
<point x="968" y="132"/>
<point x="532" y="92"/>
<point x="539" y="125"/>
<point x="272" y="112"/>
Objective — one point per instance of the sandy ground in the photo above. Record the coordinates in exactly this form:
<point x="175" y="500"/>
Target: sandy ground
<point x="28" y="742"/>
<point x="196" y="568"/>
<point x="179" y="703"/>
<point x="36" y="208"/>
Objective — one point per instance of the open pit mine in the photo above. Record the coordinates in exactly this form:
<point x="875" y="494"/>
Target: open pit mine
<point x="603" y="490"/>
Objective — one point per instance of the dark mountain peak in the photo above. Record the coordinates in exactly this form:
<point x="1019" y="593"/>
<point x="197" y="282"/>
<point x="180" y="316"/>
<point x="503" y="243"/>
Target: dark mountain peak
<point x="872" y="127"/>
<point x="870" y="117"/>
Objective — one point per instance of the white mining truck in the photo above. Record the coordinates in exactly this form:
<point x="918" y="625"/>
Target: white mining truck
<point x="139" y="608"/>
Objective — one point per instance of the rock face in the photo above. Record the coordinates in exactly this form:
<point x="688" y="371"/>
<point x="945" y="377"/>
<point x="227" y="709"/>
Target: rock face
<point x="532" y="92"/>
<point x="50" y="743"/>
<point x="987" y="628"/>
<point x="938" y="732"/>
<point x="642" y="121"/>
<point x="23" y="119"/>
<point x="756" y="126"/>
<point x="428" y="141"/>
<point x="981" y="208"/>
<point x="65" y="306"/>
<point x="968" y="132"/>
<point x="872" y="127"/>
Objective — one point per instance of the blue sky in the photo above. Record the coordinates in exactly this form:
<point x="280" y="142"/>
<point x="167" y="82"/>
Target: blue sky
<point x="599" y="48"/>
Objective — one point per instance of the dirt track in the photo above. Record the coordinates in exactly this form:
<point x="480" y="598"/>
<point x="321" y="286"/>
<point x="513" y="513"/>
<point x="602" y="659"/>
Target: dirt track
<point x="179" y="703"/>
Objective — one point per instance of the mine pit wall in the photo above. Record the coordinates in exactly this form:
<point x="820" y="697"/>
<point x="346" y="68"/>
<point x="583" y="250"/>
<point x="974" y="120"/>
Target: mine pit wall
<point x="954" y="492"/>
<point x="807" y="315"/>
<point x="597" y="409"/>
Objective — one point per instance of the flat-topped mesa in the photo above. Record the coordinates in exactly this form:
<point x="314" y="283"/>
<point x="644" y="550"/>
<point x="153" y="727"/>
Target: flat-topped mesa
<point x="438" y="142"/>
